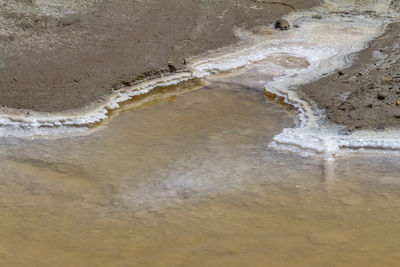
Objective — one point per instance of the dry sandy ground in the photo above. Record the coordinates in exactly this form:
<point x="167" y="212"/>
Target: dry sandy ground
<point x="366" y="95"/>
<point x="61" y="55"/>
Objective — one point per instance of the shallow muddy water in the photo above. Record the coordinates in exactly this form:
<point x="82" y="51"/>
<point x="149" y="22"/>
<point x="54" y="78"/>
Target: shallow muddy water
<point x="188" y="180"/>
<point x="185" y="175"/>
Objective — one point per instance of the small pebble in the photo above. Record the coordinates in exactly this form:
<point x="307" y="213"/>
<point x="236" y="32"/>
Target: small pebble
<point x="282" y="24"/>
<point x="317" y="17"/>
<point x="380" y="128"/>
<point x="171" y="66"/>
<point x="345" y="131"/>
<point x="381" y="97"/>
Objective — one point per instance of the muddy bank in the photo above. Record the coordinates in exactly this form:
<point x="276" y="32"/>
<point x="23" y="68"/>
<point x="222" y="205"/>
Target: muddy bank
<point x="366" y="95"/>
<point x="56" y="56"/>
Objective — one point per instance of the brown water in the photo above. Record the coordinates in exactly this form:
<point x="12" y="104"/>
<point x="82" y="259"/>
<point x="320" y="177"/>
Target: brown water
<point x="189" y="180"/>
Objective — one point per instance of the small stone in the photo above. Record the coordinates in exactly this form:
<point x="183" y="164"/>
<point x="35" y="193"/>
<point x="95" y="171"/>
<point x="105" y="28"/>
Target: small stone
<point x="317" y="17"/>
<point x="380" y="128"/>
<point x="282" y="24"/>
<point x="345" y="131"/>
<point x="171" y="66"/>
<point x="398" y="103"/>
<point x="380" y="97"/>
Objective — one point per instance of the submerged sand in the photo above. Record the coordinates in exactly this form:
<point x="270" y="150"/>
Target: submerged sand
<point x="59" y="56"/>
<point x="191" y="181"/>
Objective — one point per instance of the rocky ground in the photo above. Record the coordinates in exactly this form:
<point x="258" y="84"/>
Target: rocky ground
<point x="366" y="95"/>
<point x="61" y="55"/>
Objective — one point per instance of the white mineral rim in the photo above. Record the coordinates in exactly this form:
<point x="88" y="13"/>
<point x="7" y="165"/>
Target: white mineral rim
<point x="326" y="37"/>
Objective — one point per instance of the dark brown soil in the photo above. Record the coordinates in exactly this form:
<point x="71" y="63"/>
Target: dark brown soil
<point x="62" y="61"/>
<point x="366" y="95"/>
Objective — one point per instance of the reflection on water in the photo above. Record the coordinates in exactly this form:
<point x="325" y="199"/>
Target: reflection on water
<point x="191" y="182"/>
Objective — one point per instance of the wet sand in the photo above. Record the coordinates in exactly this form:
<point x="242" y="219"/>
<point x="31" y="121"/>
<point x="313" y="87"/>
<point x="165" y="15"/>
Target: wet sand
<point x="189" y="180"/>
<point x="367" y="94"/>
<point x="59" y="56"/>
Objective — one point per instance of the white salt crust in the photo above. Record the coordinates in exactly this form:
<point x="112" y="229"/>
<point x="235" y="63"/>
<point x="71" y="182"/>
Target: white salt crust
<point x="327" y="42"/>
